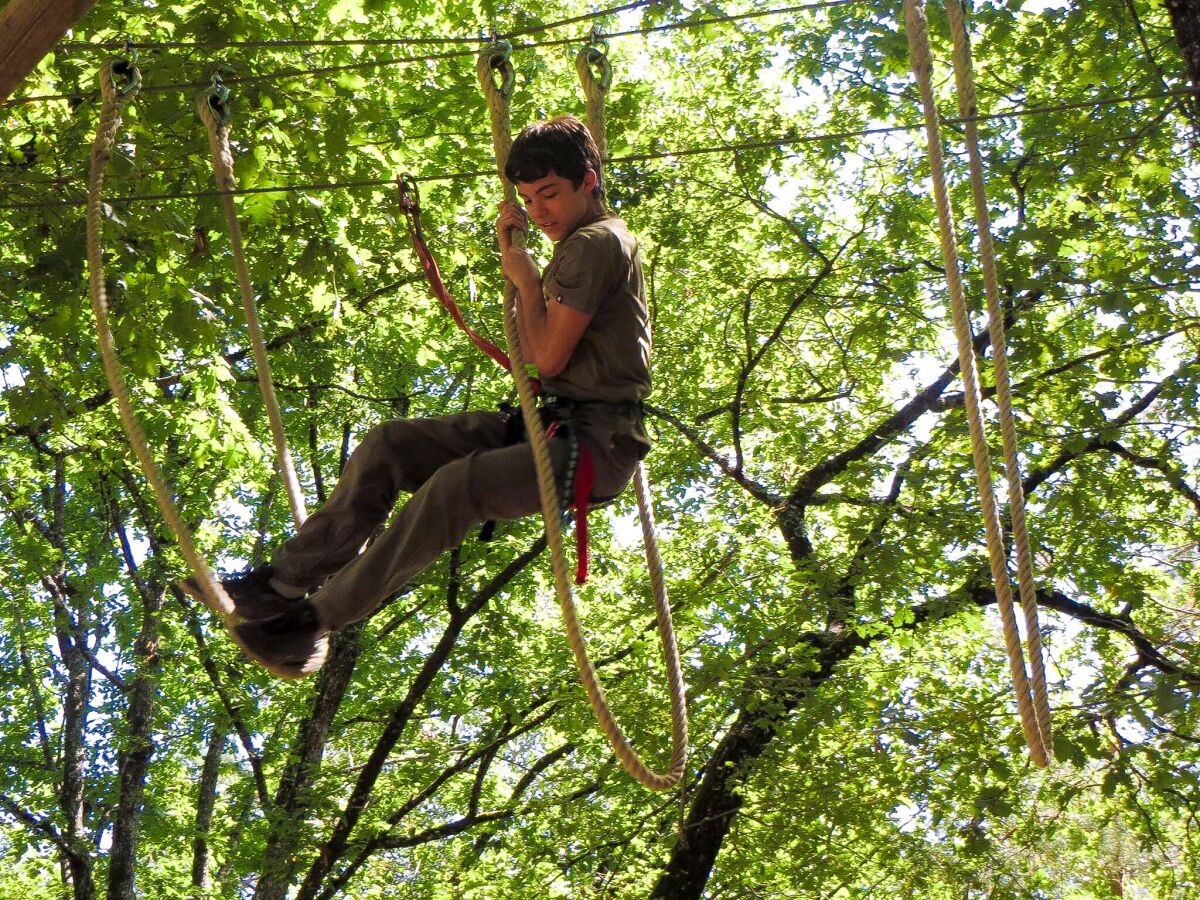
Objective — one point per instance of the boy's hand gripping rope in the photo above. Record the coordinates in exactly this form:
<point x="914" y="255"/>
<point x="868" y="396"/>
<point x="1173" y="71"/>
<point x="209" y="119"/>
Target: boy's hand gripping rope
<point x="494" y="60"/>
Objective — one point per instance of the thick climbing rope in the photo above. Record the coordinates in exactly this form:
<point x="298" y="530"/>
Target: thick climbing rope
<point x="214" y="112"/>
<point x="113" y="98"/>
<point x="493" y="61"/>
<point x="595" y="78"/>
<point x="1031" y="702"/>
<point x="591" y="59"/>
<point x="965" y="83"/>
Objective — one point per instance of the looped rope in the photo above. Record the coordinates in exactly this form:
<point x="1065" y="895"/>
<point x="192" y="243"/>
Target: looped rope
<point x="1032" y="705"/>
<point x="214" y="112"/>
<point x="112" y="99"/>
<point x="548" y="491"/>
<point x="498" y="58"/>
<point x="654" y="562"/>
<point x="591" y="57"/>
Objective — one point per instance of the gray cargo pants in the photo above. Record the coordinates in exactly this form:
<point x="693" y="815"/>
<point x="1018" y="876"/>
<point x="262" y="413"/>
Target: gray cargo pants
<point x="460" y="474"/>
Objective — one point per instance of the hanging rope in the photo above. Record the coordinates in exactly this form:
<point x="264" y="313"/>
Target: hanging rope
<point x="965" y="83"/>
<point x="1036" y="736"/>
<point x="112" y="99"/>
<point x="593" y="59"/>
<point x="214" y="112"/>
<point x="494" y="61"/>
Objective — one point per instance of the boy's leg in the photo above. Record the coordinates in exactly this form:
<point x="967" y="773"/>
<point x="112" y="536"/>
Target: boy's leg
<point x="491" y="484"/>
<point x="394" y="456"/>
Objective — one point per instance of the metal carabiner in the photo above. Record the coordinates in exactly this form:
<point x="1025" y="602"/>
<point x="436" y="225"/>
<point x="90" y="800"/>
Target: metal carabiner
<point x="498" y="54"/>
<point x="410" y="197"/>
<point x="217" y="98"/>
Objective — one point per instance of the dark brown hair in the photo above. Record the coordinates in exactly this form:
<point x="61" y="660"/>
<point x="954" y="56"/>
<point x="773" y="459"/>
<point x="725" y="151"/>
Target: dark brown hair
<point x="561" y="145"/>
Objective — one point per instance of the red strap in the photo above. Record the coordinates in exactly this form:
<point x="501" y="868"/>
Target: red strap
<point x="411" y="207"/>
<point x="585" y="478"/>
<point x="443" y="295"/>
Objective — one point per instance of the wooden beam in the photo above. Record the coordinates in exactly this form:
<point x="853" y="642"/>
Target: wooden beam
<point x="28" y="29"/>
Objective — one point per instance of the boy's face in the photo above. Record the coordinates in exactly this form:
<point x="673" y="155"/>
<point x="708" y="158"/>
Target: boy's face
<point x="555" y="204"/>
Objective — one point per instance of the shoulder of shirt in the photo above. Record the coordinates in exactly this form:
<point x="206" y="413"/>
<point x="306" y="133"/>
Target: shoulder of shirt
<point x="609" y="230"/>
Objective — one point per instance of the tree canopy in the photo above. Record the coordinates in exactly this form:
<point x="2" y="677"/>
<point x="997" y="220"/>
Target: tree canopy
<point x="853" y="729"/>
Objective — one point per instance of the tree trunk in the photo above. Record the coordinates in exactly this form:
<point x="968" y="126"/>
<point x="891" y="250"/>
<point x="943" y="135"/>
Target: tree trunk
<point x="74" y="750"/>
<point x="206" y="803"/>
<point x="28" y="29"/>
<point x="718" y="798"/>
<point x="135" y="761"/>
<point x="287" y="834"/>
<point x="1185" y="22"/>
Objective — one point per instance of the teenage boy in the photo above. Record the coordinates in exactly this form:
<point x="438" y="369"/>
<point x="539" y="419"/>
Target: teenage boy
<point x="583" y="322"/>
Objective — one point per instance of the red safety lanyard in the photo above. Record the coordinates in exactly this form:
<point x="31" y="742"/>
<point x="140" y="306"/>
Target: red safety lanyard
<point x="585" y="474"/>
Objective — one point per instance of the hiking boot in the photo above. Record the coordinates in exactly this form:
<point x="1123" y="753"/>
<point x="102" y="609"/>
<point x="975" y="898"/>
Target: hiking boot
<point x="290" y="644"/>
<point x="252" y="595"/>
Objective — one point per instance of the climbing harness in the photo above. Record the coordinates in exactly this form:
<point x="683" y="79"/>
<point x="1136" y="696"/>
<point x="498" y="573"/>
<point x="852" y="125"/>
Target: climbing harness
<point x="497" y="78"/>
<point x="1032" y="702"/>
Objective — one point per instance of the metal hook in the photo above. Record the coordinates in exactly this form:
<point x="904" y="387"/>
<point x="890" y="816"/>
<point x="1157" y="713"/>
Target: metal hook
<point x="217" y="98"/>
<point x="410" y="196"/>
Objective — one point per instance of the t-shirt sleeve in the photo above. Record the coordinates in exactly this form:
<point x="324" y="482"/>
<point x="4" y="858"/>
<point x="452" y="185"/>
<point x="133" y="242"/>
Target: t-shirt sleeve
<point x="583" y="274"/>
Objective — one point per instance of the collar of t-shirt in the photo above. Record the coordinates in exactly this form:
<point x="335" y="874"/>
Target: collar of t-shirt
<point x="588" y="219"/>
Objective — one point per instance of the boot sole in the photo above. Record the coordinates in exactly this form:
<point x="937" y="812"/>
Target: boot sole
<point x="288" y="671"/>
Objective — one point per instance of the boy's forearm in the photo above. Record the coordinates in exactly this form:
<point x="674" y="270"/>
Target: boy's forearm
<point x="531" y="322"/>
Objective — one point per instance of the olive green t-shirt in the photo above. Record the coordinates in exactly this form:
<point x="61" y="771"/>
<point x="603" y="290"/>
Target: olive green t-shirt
<point x="596" y="270"/>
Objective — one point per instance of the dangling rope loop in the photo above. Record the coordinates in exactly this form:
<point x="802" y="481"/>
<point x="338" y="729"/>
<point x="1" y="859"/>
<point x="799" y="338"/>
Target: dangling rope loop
<point x="595" y="92"/>
<point x="1034" y="713"/>
<point x="213" y="108"/>
<point x="112" y="99"/>
<point x="593" y="58"/>
<point x="548" y="490"/>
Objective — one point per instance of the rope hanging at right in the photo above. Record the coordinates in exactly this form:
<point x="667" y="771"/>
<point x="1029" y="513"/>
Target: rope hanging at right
<point x="494" y="63"/>
<point x="593" y="58"/>
<point x="212" y="105"/>
<point x="1032" y="704"/>
<point x="112" y="99"/>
